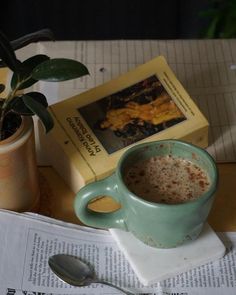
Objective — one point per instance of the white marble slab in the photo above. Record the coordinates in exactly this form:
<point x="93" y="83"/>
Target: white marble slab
<point x="153" y="265"/>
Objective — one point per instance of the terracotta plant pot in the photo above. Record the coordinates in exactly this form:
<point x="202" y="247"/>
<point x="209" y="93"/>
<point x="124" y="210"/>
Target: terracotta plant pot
<point x="19" y="183"/>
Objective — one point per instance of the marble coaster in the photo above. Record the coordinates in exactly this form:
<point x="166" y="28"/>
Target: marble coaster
<point x="153" y="265"/>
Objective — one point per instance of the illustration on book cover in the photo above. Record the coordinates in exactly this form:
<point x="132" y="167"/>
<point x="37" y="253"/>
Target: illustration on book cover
<point x="132" y="114"/>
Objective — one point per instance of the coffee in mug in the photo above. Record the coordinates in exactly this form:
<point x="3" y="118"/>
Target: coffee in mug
<point x="167" y="179"/>
<point x="165" y="188"/>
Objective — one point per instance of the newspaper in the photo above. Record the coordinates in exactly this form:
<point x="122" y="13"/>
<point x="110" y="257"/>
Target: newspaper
<point x="27" y="241"/>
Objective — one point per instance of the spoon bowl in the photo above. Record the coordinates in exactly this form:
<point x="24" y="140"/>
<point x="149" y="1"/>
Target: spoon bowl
<point x="75" y="272"/>
<point x="71" y="270"/>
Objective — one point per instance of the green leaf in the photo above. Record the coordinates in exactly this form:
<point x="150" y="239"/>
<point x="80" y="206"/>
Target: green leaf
<point x="212" y="12"/>
<point x="59" y="69"/>
<point x="41" y="35"/>
<point x="39" y="110"/>
<point x="27" y="67"/>
<point x="18" y="106"/>
<point x="7" y="53"/>
<point x="212" y="29"/>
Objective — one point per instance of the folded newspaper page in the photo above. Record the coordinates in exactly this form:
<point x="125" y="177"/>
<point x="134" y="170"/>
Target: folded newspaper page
<point x="28" y="240"/>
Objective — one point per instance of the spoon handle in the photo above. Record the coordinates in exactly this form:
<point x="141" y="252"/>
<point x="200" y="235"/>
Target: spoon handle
<point x="116" y="287"/>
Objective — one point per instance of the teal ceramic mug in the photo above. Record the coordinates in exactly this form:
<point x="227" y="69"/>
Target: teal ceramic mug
<point x="156" y="224"/>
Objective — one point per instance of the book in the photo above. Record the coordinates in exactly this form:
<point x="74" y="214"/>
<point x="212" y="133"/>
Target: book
<point x="93" y="129"/>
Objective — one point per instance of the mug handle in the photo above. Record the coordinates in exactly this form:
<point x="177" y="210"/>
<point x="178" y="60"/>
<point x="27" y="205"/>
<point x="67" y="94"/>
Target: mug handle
<point x="107" y="186"/>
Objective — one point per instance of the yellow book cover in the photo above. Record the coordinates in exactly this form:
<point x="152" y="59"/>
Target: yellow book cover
<point x="94" y="128"/>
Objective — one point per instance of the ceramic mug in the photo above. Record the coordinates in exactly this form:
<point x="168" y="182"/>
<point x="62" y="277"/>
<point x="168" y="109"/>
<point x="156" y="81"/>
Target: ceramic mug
<point x="156" y="224"/>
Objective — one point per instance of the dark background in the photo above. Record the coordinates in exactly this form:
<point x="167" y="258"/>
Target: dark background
<point x="105" y="19"/>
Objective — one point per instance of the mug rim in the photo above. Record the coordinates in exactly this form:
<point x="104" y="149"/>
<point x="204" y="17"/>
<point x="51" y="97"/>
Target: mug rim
<point x="206" y="195"/>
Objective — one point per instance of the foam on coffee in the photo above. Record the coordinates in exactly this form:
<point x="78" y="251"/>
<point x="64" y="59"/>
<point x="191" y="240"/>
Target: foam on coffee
<point x="166" y="179"/>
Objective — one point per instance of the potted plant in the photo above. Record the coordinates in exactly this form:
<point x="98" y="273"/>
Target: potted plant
<point x="19" y="185"/>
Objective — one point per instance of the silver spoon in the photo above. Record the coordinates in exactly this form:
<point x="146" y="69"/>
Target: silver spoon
<point x="75" y="272"/>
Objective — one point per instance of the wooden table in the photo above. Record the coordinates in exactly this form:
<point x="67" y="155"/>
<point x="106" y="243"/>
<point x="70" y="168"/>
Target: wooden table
<point x="57" y="199"/>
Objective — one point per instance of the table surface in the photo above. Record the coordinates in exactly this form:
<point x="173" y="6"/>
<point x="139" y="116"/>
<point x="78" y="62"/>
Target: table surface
<point x="57" y="199"/>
